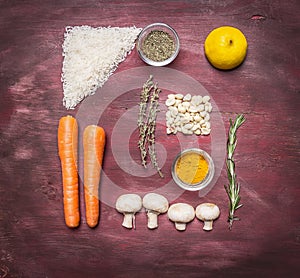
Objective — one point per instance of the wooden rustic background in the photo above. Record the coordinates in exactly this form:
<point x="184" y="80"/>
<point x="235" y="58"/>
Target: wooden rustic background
<point x="34" y="241"/>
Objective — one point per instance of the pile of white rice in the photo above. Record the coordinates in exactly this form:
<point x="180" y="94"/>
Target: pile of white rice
<point x="91" y="55"/>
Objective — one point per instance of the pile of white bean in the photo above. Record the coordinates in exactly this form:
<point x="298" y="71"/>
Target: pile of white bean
<point x="188" y="114"/>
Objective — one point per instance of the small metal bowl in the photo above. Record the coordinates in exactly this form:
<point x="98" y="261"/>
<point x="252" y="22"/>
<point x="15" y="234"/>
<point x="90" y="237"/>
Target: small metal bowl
<point x="160" y="27"/>
<point x="195" y="186"/>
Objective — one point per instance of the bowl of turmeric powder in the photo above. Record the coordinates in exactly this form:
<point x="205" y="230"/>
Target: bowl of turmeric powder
<point x="193" y="169"/>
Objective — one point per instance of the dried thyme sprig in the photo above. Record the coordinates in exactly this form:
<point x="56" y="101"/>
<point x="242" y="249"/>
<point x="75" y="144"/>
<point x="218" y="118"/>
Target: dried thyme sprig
<point x="144" y="97"/>
<point x="148" y="135"/>
<point x="233" y="188"/>
<point x="151" y="128"/>
<point x="147" y="122"/>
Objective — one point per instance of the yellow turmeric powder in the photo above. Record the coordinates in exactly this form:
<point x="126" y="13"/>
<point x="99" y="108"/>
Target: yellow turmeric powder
<point x="191" y="168"/>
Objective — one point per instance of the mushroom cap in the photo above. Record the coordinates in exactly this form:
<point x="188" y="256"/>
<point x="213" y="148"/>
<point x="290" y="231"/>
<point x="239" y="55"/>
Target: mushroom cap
<point x="155" y="202"/>
<point x="129" y="203"/>
<point x="181" y="212"/>
<point x="207" y="211"/>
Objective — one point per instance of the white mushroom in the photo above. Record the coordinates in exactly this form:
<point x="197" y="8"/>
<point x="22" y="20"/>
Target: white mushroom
<point x="154" y="204"/>
<point x="181" y="214"/>
<point x="129" y="204"/>
<point x="207" y="212"/>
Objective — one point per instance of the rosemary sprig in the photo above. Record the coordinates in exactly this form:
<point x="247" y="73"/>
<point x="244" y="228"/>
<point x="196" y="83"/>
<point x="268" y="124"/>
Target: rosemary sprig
<point x="147" y="122"/>
<point x="233" y="188"/>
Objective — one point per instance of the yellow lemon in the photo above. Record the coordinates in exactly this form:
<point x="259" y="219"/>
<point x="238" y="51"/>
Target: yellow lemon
<point x="225" y="47"/>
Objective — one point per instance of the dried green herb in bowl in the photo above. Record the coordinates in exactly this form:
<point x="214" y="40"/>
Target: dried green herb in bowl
<point x="158" y="44"/>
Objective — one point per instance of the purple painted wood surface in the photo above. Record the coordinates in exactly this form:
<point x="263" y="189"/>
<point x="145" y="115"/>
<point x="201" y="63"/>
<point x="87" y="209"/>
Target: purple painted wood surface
<point x="34" y="241"/>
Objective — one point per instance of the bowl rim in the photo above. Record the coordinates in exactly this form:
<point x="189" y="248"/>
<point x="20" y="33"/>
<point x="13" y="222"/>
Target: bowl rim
<point x="205" y="182"/>
<point x="156" y="63"/>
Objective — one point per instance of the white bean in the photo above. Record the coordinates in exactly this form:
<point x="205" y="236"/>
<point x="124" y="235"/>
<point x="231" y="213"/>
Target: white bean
<point x="186" y="104"/>
<point x="187" y="97"/>
<point x="179" y="96"/>
<point x="197" y="131"/>
<point x="200" y="108"/>
<point x="170" y="101"/>
<point x="196" y="100"/>
<point x="197" y="118"/>
<point x="174" y="111"/>
<point x="184" y="130"/>
<point x="205" y="131"/>
<point x="193" y="109"/>
<point x="177" y="102"/>
<point x="177" y="119"/>
<point x="203" y="114"/>
<point x="205" y="99"/>
<point x="181" y="108"/>
<point x="185" y="120"/>
<point x="195" y="126"/>
<point x="169" y="130"/>
<point x="207" y="117"/>
<point x="207" y="125"/>
<point x="209" y="108"/>
<point x="188" y="126"/>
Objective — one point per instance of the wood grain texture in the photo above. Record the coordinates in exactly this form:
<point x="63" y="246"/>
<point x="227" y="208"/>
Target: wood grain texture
<point x="34" y="241"/>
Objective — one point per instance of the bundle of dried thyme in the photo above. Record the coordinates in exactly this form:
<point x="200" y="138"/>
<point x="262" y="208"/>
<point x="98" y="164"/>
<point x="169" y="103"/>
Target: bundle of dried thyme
<point x="148" y="109"/>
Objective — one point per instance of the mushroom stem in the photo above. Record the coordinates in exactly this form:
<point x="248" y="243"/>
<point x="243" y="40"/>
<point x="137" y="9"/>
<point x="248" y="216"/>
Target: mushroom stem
<point x="208" y="225"/>
<point x="152" y="219"/>
<point x="128" y="220"/>
<point x="180" y="226"/>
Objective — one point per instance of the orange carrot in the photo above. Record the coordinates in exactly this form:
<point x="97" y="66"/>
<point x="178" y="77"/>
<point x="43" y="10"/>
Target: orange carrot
<point x="93" y="147"/>
<point x="67" y="147"/>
